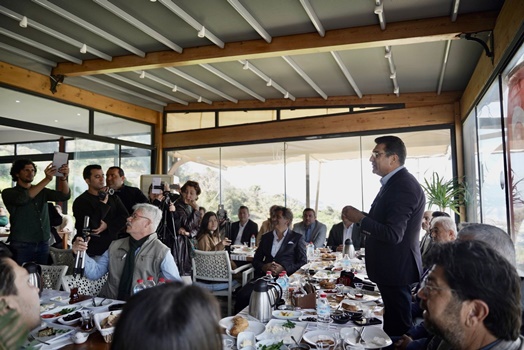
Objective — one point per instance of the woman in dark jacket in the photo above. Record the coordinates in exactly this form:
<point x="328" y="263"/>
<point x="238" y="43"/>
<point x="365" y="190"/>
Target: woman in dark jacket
<point x="188" y="226"/>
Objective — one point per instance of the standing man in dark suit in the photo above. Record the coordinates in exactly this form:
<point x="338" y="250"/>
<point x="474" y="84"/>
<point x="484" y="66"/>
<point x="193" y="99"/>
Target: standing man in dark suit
<point x="242" y="230"/>
<point x="393" y="224"/>
<point x="279" y="250"/>
<point x="344" y="230"/>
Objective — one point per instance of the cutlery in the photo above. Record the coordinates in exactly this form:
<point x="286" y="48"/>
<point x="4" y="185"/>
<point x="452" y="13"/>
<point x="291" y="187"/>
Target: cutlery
<point x="292" y="337"/>
<point x="38" y="340"/>
<point x="93" y="301"/>
<point x="102" y="302"/>
<point x="360" y="339"/>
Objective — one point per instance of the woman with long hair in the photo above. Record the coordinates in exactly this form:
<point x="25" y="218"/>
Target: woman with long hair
<point x="209" y="235"/>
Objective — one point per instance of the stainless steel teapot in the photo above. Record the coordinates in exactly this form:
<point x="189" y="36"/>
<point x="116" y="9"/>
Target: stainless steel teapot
<point x="35" y="275"/>
<point x="264" y="298"/>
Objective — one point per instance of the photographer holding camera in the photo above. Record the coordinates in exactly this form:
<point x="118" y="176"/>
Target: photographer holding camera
<point x="160" y="197"/>
<point x="106" y="212"/>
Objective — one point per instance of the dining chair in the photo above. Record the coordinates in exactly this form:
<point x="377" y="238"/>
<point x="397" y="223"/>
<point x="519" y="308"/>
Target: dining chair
<point x="52" y="276"/>
<point x="63" y="257"/>
<point x="212" y="270"/>
<point x="85" y="286"/>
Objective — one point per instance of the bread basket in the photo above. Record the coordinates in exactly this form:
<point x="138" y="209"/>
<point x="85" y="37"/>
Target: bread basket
<point x="107" y="333"/>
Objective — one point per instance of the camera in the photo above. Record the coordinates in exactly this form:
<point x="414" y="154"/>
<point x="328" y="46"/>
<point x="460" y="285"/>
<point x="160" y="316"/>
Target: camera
<point x="102" y="194"/>
<point x="221" y="213"/>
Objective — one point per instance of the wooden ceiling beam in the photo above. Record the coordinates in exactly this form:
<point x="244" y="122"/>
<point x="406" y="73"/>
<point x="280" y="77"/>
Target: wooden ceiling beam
<point x="398" y="33"/>
<point x="410" y="100"/>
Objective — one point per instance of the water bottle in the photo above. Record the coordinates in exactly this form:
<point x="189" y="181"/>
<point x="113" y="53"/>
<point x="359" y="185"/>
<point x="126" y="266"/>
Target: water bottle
<point x="252" y="242"/>
<point x="310" y="251"/>
<point x="139" y="286"/>
<point x="161" y="281"/>
<point x="283" y="283"/>
<point x="269" y="276"/>
<point x="286" y="277"/>
<point x="150" y="282"/>
<point x="346" y="263"/>
<point x="323" y="312"/>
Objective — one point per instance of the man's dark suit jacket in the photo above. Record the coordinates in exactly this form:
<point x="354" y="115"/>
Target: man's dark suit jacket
<point x="130" y="196"/>
<point x="336" y="236"/>
<point x="250" y="229"/>
<point x="291" y="255"/>
<point x="393" y="224"/>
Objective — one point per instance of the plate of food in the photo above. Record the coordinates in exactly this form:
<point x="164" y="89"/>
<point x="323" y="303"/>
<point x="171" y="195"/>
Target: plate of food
<point x="58" y="312"/>
<point x="51" y="332"/>
<point x="61" y="299"/>
<point x="236" y="324"/>
<point x="287" y="314"/>
<point x="99" y="303"/>
<point x="270" y="344"/>
<point x="328" y="257"/>
<point x="320" y="336"/>
<point x="70" y="319"/>
<point x="283" y="330"/>
<point x="374" y="337"/>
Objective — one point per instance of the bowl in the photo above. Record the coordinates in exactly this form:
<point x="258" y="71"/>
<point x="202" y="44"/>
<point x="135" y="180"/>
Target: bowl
<point x="107" y="333"/>
<point x="299" y="347"/>
<point x="341" y="318"/>
<point x="79" y="337"/>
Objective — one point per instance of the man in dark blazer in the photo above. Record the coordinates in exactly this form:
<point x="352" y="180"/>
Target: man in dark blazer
<point x="392" y="227"/>
<point x="244" y="224"/>
<point x="346" y="227"/>
<point x="279" y="250"/>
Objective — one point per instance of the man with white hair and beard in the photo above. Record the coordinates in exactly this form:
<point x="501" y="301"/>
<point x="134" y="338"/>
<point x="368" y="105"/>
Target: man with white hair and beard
<point x="471" y="297"/>
<point x="135" y="257"/>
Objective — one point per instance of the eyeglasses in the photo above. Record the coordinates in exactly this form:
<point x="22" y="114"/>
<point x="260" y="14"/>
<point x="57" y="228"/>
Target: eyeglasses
<point x="135" y="216"/>
<point x="428" y="289"/>
<point x="377" y="154"/>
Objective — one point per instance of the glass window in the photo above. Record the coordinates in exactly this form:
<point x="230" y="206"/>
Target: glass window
<point x="37" y="148"/>
<point x="513" y="92"/>
<point x="245" y="117"/>
<point x="189" y="121"/>
<point x="491" y="159"/>
<point x="122" y="129"/>
<point x="325" y="174"/>
<point x="469" y="137"/>
<point x="42" y="111"/>
<point x="314" y="112"/>
<point x="7" y="150"/>
<point x="135" y="162"/>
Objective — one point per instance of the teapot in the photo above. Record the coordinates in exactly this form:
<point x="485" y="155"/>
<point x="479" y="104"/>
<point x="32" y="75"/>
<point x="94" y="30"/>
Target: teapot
<point x="35" y="275"/>
<point x="264" y="298"/>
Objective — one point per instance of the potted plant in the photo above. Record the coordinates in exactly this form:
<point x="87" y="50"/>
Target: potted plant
<point x="445" y="193"/>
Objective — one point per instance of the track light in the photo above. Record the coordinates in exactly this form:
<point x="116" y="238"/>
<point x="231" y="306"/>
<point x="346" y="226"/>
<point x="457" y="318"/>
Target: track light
<point x="83" y="49"/>
<point x="270" y="82"/>
<point x="143" y="74"/>
<point x="246" y="66"/>
<point x="175" y="88"/>
<point x="23" y="22"/>
<point x="199" y="99"/>
<point x="286" y="95"/>
<point x="388" y="54"/>
<point x="393" y="75"/>
<point x="379" y="9"/>
<point x="202" y="32"/>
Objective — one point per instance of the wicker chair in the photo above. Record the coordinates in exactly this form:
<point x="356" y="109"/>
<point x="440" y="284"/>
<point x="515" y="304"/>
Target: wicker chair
<point x="212" y="270"/>
<point x="52" y="276"/>
<point x="63" y="257"/>
<point x="85" y="286"/>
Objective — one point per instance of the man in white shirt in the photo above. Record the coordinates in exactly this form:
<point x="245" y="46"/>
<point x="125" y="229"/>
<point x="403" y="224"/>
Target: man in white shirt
<point x="344" y="230"/>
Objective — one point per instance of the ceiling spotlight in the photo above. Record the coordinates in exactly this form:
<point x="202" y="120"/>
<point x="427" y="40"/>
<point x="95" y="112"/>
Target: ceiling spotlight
<point x="246" y="66"/>
<point x="269" y="83"/>
<point x="143" y="74"/>
<point x="388" y="54"/>
<point x="199" y="98"/>
<point x="393" y="75"/>
<point x="152" y="0"/>
<point x="23" y="22"/>
<point x="202" y="32"/>
<point x="175" y="88"/>
<point x="83" y="49"/>
<point x="396" y="91"/>
<point x="286" y="95"/>
<point x="379" y="9"/>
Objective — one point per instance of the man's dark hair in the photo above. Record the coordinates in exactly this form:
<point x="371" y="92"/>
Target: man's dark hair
<point x="7" y="274"/>
<point x="87" y="170"/>
<point x="393" y="145"/>
<point x="309" y="209"/>
<point x="286" y="213"/>
<point x="474" y="270"/>
<point x="120" y="170"/>
<point x="193" y="184"/>
<point x="243" y="207"/>
<point x="18" y="165"/>
<point x="437" y="214"/>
